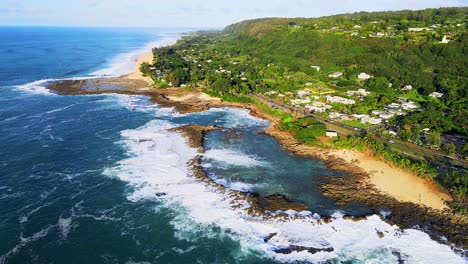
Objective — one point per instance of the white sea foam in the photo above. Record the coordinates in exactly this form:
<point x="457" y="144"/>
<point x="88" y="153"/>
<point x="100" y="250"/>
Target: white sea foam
<point x="125" y="63"/>
<point x="157" y="164"/>
<point x="234" y="117"/>
<point x="235" y="158"/>
<point x="37" y="87"/>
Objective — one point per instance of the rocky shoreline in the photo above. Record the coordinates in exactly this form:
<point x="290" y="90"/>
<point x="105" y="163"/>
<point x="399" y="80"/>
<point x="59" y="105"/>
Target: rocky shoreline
<point x="353" y="188"/>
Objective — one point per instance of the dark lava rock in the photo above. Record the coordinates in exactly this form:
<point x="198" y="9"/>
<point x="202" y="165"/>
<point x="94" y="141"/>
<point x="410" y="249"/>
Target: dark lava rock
<point x="311" y="250"/>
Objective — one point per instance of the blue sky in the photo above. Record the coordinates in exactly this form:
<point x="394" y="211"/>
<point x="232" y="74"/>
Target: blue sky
<point x="186" y="13"/>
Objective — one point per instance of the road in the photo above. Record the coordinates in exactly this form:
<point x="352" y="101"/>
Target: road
<point x="406" y="148"/>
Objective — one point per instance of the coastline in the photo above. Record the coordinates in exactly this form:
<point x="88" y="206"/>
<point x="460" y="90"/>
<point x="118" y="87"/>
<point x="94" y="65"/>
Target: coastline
<point x="371" y="181"/>
<point x="384" y="177"/>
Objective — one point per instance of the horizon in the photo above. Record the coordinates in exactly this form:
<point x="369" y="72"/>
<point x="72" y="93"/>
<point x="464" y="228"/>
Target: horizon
<point x="188" y="14"/>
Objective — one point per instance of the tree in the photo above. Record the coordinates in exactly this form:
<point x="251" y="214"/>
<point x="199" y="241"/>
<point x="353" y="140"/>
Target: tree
<point x="449" y="148"/>
<point x="433" y="139"/>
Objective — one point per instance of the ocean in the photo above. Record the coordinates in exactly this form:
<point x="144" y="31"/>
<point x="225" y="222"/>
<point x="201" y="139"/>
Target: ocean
<point x="101" y="179"/>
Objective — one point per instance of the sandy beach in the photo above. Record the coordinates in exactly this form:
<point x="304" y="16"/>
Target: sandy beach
<point x="136" y="74"/>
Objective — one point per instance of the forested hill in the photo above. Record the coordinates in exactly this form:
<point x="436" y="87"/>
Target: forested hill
<point x="406" y="54"/>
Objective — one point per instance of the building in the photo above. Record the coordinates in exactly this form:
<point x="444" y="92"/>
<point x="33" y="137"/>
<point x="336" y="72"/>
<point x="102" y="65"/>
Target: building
<point x="410" y="105"/>
<point x="335" y="115"/>
<point x="331" y="133"/>
<point x="316" y="67"/>
<point x="407" y="88"/>
<point x="367" y="119"/>
<point x="302" y="93"/>
<point x="335" y="75"/>
<point x="436" y="95"/>
<point x="361" y="92"/>
<point x="418" y="29"/>
<point x="339" y="100"/>
<point x="357" y="26"/>
<point x="445" y="40"/>
<point x="383" y="114"/>
<point x="364" y="76"/>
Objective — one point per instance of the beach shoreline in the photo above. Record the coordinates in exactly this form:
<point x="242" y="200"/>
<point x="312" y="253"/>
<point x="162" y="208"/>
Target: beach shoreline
<point x="373" y="182"/>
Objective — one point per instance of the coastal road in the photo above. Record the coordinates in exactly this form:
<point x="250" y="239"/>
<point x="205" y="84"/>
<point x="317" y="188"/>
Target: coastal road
<point x="406" y="148"/>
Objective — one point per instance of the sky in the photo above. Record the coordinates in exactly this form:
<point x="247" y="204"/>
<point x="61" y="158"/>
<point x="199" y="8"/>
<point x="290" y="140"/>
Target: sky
<point x="187" y="13"/>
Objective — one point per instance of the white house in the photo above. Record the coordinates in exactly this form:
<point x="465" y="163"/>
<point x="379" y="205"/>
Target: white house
<point x="271" y="93"/>
<point x="357" y="26"/>
<point x="418" y="29"/>
<point x="331" y="133"/>
<point x="383" y="114"/>
<point x="316" y="67"/>
<point x="445" y="40"/>
<point x="335" y="115"/>
<point x="361" y="92"/>
<point x="340" y="100"/>
<point x="407" y="88"/>
<point x="436" y="95"/>
<point x="302" y="93"/>
<point x="364" y="76"/>
<point x="410" y="105"/>
<point x="335" y="74"/>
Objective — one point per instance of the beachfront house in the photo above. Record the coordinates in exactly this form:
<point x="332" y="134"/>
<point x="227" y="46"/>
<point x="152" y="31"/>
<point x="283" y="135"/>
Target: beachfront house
<point x="335" y="75"/>
<point x="331" y="133"/>
<point x="339" y="100"/>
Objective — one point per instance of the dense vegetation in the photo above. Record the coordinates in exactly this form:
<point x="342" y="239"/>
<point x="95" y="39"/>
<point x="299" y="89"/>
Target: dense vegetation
<point x="427" y="49"/>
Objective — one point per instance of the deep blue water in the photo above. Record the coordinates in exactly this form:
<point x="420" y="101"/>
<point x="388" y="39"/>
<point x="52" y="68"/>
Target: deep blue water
<point x="84" y="179"/>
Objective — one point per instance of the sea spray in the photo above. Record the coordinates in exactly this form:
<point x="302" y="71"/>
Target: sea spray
<point x="157" y="163"/>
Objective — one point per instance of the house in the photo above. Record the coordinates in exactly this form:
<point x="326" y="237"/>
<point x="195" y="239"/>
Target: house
<point x="340" y="100"/>
<point x="335" y="75"/>
<point x="331" y="133"/>
<point x="436" y="95"/>
<point x="316" y="67"/>
<point x="392" y="106"/>
<point x="445" y="40"/>
<point x="361" y="92"/>
<point x="271" y="93"/>
<point x="357" y="26"/>
<point x="335" y="115"/>
<point x="302" y="93"/>
<point x="403" y="100"/>
<point x="418" y="29"/>
<point x="407" y="88"/>
<point x="300" y="101"/>
<point x="392" y="133"/>
<point x="410" y="105"/>
<point x="383" y="114"/>
<point x="364" y="76"/>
